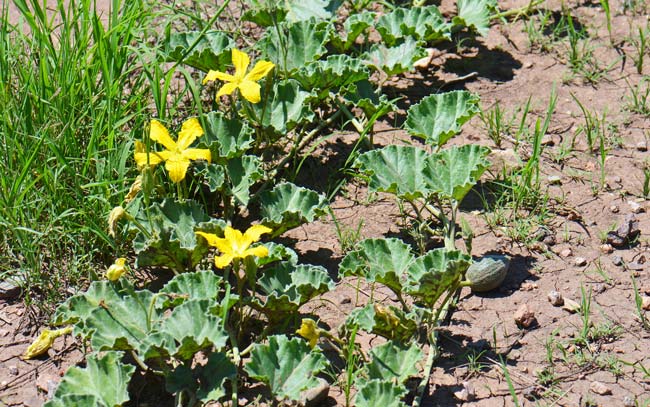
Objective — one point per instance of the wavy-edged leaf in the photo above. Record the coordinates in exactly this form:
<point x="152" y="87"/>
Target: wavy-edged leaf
<point x="303" y="42"/>
<point x="394" y="60"/>
<point x="77" y="308"/>
<point x="287" y="286"/>
<point x="332" y="73"/>
<point x="103" y="382"/>
<point x="226" y="137"/>
<point x="474" y="14"/>
<point x="277" y="252"/>
<point x="390" y="322"/>
<point x="287" y="366"/>
<point x="259" y="12"/>
<point x="394" y="361"/>
<point x="353" y="26"/>
<point x="243" y="172"/>
<point x="422" y="23"/>
<point x="303" y="10"/>
<point x="171" y="241"/>
<point x="288" y="205"/>
<point x="206" y="381"/>
<point x="439" y="117"/>
<point x="429" y="276"/>
<point x="212" y="174"/>
<point x="454" y="171"/>
<point x="379" y="260"/>
<point x="378" y="392"/>
<point x="212" y="51"/>
<point x="400" y="170"/>
<point x="285" y="108"/>
<point x="363" y="95"/>
<point x="200" y="285"/>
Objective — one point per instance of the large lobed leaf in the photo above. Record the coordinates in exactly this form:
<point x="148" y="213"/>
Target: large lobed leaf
<point x="394" y="361"/>
<point x="390" y="322"/>
<point x="211" y="50"/>
<point x="353" y="26"/>
<point x="226" y="137"/>
<point x="287" y="366"/>
<point x="288" y="205"/>
<point x="421" y="23"/>
<point x="377" y="392"/>
<point x="285" y="107"/>
<point x="206" y="381"/>
<point x="332" y="73"/>
<point x="475" y="14"/>
<point x="394" y="60"/>
<point x="439" y="117"/>
<point x="294" y="45"/>
<point x="457" y="170"/>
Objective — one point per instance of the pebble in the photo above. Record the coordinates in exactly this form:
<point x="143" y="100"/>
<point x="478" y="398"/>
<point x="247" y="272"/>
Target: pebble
<point x="606" y="248"/>
<point x="642" y="146"/>
<point x="9" y="290"/>
<point x="524" y="317"/>
<point x="645" y="303"/>
<point x="528" y="286"/>
<point x="580" y="261"/>
<point x="614" y="209"/>
<point x="468" y="393"/>
<point x="628" y="401"/>
<point x="549" y="240"/>
<point x="13" y="370"/>
<point x="547" y="140"/>
<point x="571" y="306"/>
<point x="600" y="388"/>
<point x="316" y="395"/>
<point x="566" y="252"/>
<point x="617" y="179"/>
<point x="635" y="207"/>
<point x="617" y="260"/>
<point x="554" y="180"/>
<point x="346" y="300"/>
<point x="555" y="298"/>
<point x="599" y="288"/>
<point x="3" y="384"/>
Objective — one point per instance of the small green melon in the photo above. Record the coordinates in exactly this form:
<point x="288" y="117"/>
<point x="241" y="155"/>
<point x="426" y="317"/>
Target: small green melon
<point x="487" y="273"/>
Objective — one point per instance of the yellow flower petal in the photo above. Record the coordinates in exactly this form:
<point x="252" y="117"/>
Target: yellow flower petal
<point x="177" y="168"/>
<point x="261" y="69"/>
<point x="235" y="239"/>
<point x="223" y="260"/>
<point x="226" y="89"/>
<point x="254" y="232"/>
<point x="241" y="62"/>
<point x="257" y="251"/>
<point x="159" y="133"/>
<point x="250" y="91"/>
<point x="154" y="158"/>
<point x="310" y="331"/>
<point x="197" y="154"/>
<point x="211" y="238"/>
<point x="116" y="270"/>
<point x="44" y="342"/>
<point x="136" y="187"/>
<point x="116" y="214"/>
<point x="190" y="131"/>
<point x="214" y="75"/>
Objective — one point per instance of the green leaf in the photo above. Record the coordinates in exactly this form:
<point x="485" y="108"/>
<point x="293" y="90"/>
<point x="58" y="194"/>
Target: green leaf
<point x="200" y="285"/>
<point x="303" y="42"/>
<point x="287" y="286"/>
<point x="353" y="26"/>
<point x="332" y="73"/>
<point x="421" y="23"/>
<point x="394" y="60"/>
<point x="171" y="241"/>
<point x="77" y="308"/>
<point x="379" y="260"/>
<point x="474" y="14"/>
<point x="103" y="382"/>
<point x="285" y="108"/>
<point x="434" y="273"/>
<point x="394" y="361"/>
<point x="213" y="174"/>
<point x="378" y="392"/>
<point x="439" y="117"/>
<point x="259" y="12"/>
<point x="226" y="138"/>
<point x="400" y="170"/>
<point x="390" y="322"/>
<point x="456" y="170"/>
<point x="304" y="10"/>
<point x="362" y="94"/>
<point x="287" y="366"/>
<point x="190" y="328"/>
<point x="212" y="50"/>
<point x="288" y="205"/>
<point x="243" y="172"/>
<point x="206" y="381"/>
<point x="277" y="252"/>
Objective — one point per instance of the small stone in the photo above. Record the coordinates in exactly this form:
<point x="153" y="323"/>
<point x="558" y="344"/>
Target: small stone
<point x="606" y="248"/>
<point x="13" y="370"/>
<point x="617" y="260"/>
<point x="423" y="63"/>
<point x="617" y="179"/>
<point x="525" y="317"/>
<point x="635" y="207"/>
<point x="515" y="354"/>
<point x="599" y="288"/>
<point x="580" y="261"/>
<point x="645" y="303"/>
<point x="600" y="388"/>
<point x="547" y="140"/>
<point x="555" y="298"/>
<point x="468" y="393"/>
<point x="614" y="209"/>
<point x="566" y="252"/>
<point x="9" y="289"/>
<point x="571" y="306"/>
<point x="315" y="396"/>
<point x="635" y="265"/>
<point x="528" y="286"/>
<point x="628" y="401"/>
<point x="549" y="240"/>
<point x="528" y="64"/>
<point x="554" y="180"/>
<point x="642" y="146"/>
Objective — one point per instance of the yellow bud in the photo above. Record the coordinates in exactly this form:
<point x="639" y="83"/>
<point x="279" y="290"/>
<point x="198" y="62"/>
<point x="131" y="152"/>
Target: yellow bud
<point x="116" y="270"/>
<point x="310" y="331"/>
<point x="116" y="214"/>
<point x="135" y="188"/>
<point x="44" y="342"/>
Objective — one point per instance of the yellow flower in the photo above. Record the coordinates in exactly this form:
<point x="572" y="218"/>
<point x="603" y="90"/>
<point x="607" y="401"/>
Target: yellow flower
<point x="177" y="155"/>
<point x="136" y="187"/>
<point x="309" y="331"/>
<point x="116" y="214"/>
<point x="44" y="342"/>
<point x="116" y="269"/>
<point x="245" y="82"/>
<point x="235" y="245"/>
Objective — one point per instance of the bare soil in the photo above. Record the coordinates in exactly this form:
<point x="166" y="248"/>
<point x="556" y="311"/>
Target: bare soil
<point x="546" y="364"/>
